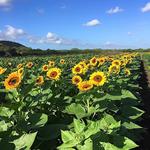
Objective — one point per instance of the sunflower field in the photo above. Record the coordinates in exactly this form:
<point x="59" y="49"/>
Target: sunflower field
<point x="77" y="102"/>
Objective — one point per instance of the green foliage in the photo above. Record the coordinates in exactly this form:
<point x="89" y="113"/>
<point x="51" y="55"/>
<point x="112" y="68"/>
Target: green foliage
<point x="56" y="115"/>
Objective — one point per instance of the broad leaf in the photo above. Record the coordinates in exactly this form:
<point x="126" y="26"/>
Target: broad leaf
<point x="25" y="141"/>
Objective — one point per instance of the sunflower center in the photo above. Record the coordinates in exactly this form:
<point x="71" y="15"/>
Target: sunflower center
<point x="77" y="80"/>
<point x="116" y="63"/>
<point x="13" y="81"/>
<point x="21" y="71"/>
<point x="38" y="80"/>
<point x="53" y="74"/>
<point x="45" y="67"/>
<point x="94" y="60"/>
<point x="86" y="86"/>
<point x="51" y="64"/>
<point x="98" y="78"/>
<point x="114" y="68"/>
<point x="77" y="69"/>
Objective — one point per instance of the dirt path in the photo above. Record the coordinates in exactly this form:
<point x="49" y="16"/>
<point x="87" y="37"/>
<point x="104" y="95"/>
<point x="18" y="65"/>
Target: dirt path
<point x="145" y="94"/>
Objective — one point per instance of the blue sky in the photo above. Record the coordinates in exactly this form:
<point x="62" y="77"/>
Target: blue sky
<point x="65" y="24"/>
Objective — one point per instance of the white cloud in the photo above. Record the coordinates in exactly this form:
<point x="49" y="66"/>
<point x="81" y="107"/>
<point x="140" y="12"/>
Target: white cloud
<point x="111" y="45"/>
<point x="146" y="8"/>
<point x="40" y="10"/>
<point x="5" y="5"/>
<point x="51" y="38"/>
<point x="130" y="33"/>
<point x="11" y="33"/>
<point x="4" y="2"/>
<point x="93" y="22"/>
<point x="116" y="45"/>
<point x="63" y="6"/>
<point x="108" y="43"/>
<point x="115" y="10"/>
<point x="15" y="34"/>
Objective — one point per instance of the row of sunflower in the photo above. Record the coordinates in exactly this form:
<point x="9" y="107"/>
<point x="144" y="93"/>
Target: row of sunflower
<point x="69" y="102"/>
<point x="98" y="78"/>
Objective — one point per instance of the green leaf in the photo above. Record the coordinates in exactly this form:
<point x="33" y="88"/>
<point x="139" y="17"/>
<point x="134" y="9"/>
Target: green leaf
<point x="66" y="148"/>
<point x="70" y="140"/>
<point x="78" y="126"/>
<point x="37" y="120"/>
<point x="129" y="144"/>
<point x="95" y="109"/>
<point x="128" y="94"/>
<point x="131" y="112"/>
<point x="123" y="143"/>
<point x="52" y="131"/>
<point x="6" y="112"/>
<point x="25" y="141"/>
<point x="115" y="95"/>
<point x="131" y="125"/>
<point x="3" y="126"/>
<point x="28" y="88"/>
<point x="67" y="136"/>
<point x="108" y="122"/>
<point x="115" y="125"/>
<point x="68" y="145"/>
<point x="88" y="145"/>
<point x="92" y="128"/>
<point x="113" y="107"/>
<point x="75" y="109"/>
<point x="109" y="146"/>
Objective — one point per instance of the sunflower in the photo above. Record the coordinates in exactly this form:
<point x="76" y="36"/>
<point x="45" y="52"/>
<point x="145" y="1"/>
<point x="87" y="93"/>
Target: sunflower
<point x="101" y="61"/>
<point x="84" y="66"/>
<point x="85" y="86"/>
<point x="2" y="70"/>
<point x="20" y="71"/>
<point x="93" y="61"/>
<point x="110" y="59"/>
<point x="54" y="73"/>
<point x="40" y="80"/>
<point x="29" y="65"/>
<point x="76" y="79"/>
<point x="62" y="61"/>
<point x="77" y="69"/>
<point x="51" y="63"/>
<point x="123" y="62"/>
<point x="116" y="62"/>
<point x="19" y="66"/>
<point x="114" y="69"/>
<point x="12" y="81"/>
<point x="129" y="57"/>
<point x="45" y="67"/>
<point x="98" y="78"/>
<point x="127" y="72"/>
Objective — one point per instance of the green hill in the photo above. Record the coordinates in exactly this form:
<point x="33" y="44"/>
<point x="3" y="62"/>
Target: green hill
<point x="10" y="44"/>
<point x="8" y="48"/>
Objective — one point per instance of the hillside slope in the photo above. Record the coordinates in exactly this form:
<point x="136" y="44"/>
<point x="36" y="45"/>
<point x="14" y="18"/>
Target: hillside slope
<point x="8" y="48"/>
